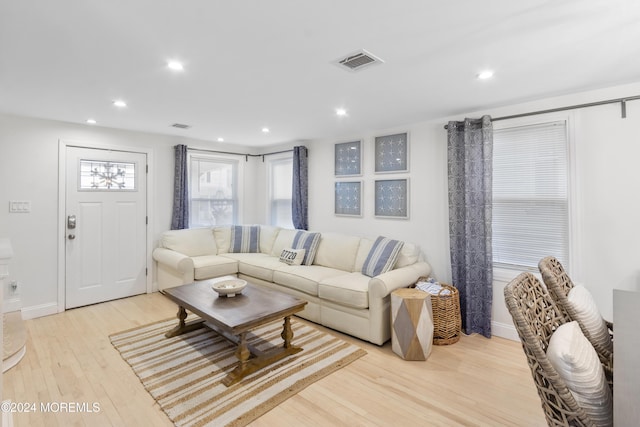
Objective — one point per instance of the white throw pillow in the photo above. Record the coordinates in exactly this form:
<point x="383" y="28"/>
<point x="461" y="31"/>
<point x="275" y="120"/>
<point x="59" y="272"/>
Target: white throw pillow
<point x="292" y="256"/>
<point x="588" y="314"/>
<point x="577" y="363"/>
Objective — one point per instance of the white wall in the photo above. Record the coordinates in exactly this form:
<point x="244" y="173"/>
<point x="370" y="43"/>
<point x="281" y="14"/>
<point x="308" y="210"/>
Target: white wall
<point x="29" y="171"/>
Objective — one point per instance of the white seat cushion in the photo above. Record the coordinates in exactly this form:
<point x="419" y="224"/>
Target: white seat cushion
<point x="304" y="278"/>
<point x="350" y="289"/>
<point x="260" y="266"/>
<point x="589" y="316"/>
<point x="577" y="363"/>
<point x="209" y="266"/>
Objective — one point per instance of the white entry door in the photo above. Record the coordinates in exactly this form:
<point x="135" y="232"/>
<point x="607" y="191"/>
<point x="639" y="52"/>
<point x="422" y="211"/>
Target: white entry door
<point x="106" y="217"/>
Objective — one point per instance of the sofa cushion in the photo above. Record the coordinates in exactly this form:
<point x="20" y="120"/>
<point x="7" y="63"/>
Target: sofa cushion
<point x="260" y="266"/>
<point x="283" y="240"/>
<point x="409" y="254"/>
<point x="209" y="266"/>
<point x="268" y="236"/>
<point x="304" y="278"/>
<point x="382" y="256"/>
<point x="245" y="239"/>
<point x="223" y="238"/>
<point x="577" y="363"/>
<point x="350" y="289"/>
<point x="190" y="242"/>
<point x="309" y="242"/>
<point x="337" y="251"/>
<point x="363" y="251"/>
<point x="292" y="256"/>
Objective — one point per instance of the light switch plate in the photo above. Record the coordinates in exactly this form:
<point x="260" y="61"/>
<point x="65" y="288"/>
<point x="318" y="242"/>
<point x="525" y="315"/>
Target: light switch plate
<point x="20" y="206"/>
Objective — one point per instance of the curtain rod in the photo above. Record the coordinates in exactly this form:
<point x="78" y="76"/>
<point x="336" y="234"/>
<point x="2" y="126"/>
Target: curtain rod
<point x="246" y="155"/>
<point x="622" y="101"/>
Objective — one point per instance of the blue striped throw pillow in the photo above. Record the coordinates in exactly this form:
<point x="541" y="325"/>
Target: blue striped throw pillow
<point x="245" y="238"/>
<point x="309" y="242"/>
<point x="382" y="256"/>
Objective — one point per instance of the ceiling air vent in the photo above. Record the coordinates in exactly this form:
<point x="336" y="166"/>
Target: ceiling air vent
<point x="180" y="126"/>
<point x="358" y="60"/>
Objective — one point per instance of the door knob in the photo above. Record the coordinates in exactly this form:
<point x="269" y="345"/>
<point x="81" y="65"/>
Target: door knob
<point x="72" y="236"/>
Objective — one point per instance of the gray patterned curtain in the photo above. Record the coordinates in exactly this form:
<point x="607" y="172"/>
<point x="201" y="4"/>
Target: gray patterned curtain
<point x="300" y="193"/>
<point x="470" y="149"/>
<point x="180" y="218"/>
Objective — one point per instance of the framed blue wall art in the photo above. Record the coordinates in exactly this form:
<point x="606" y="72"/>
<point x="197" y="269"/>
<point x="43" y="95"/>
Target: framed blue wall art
<point x="348" y="198"/>
<point x="392" y="153"/>
<point x="348" y="158"/>
<point x="392" y="198"/>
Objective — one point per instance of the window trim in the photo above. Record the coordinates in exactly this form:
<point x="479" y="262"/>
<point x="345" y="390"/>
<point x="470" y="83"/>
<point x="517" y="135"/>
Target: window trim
<point x="574" y="213"/>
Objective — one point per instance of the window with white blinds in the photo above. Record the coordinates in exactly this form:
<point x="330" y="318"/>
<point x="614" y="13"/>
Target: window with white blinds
<point x="213" y="191"/>
<point x="281" y="187"/>
<point x="530" y="195"/>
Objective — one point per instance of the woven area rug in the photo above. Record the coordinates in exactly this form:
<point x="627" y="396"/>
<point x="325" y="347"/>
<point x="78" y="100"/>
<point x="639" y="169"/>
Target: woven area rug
<point x="184" y="373"/>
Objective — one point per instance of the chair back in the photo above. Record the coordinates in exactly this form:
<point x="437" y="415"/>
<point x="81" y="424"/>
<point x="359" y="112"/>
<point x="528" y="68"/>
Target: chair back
<point x="559" y="284"/>
<point x="536" y="317"/>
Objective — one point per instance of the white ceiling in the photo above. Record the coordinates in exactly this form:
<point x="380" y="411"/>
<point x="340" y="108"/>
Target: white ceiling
<point x="255" y="63"/>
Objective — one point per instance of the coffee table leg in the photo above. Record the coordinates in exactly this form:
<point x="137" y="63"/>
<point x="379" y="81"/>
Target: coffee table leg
<point x="184" y="327"/>
<point x="287" y="333"/>
<point x="243" y="353"/>
<point x="248" y="365"/>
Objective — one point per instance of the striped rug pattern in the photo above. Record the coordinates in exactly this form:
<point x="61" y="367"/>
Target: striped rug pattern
<point x="184" y="373"/>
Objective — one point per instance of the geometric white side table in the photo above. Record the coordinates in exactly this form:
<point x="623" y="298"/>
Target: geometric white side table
<point x="411" y="323"/>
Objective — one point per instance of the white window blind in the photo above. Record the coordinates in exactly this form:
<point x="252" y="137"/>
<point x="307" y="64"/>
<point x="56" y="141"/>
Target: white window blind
<point x="281" y="186"/>
<point x="530" y="196"/>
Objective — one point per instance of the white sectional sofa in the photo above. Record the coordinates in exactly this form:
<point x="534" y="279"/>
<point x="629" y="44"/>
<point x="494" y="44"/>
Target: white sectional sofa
<point x="339" y="295"/>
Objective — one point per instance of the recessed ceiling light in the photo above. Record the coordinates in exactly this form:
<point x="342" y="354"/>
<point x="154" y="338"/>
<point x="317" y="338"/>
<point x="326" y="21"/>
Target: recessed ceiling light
<point x="119" y="103"/>
<point x="265" y="130"/>
<point x="175" y="66"/>
<point x="220" y="139"/>
<point x="91" y="121"/>
<point x="341" y="112"/>
<point x="487" y="74"/>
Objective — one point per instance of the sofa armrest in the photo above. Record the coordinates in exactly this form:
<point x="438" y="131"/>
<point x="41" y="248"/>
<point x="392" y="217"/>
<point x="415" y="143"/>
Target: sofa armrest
<point x="382" y="285"/>
<point x="176" y="260"/>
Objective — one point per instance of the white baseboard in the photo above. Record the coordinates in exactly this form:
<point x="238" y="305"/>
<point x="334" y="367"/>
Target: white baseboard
<point x="39" y="310"/>
<point x="11" y="304"/>
<point x="504" y="331"/>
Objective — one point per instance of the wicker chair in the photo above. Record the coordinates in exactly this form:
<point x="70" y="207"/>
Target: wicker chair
<point x="559" y="284"/>
<point x="536" y="317"/>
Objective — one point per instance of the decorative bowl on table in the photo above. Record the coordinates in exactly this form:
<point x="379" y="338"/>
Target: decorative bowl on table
<point x="230" y="287"/>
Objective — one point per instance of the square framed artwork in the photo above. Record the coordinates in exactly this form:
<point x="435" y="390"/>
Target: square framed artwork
<point x="348" y="198"/>
<point x="392" y="198"/>
<point x="392" y="153"/>
<point x="348" y="158"/>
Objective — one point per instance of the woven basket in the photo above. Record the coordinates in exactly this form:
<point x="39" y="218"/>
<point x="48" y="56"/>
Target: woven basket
<point x="447" y="322"/>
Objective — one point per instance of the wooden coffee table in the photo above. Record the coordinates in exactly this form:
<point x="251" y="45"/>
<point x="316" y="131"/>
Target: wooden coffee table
<point x="234" y="317"/>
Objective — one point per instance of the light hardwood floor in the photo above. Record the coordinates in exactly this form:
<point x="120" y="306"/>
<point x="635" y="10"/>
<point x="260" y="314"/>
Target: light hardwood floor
<point x="476" y="381"/>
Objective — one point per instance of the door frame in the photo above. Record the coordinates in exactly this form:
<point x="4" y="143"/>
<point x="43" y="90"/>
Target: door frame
<point x="62" y="197"/>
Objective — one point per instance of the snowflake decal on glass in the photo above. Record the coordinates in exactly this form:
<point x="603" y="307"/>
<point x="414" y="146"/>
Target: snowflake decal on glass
<point x="391" y="153"/>
<point x="106" y="175"/>
<point x="348" y="158"/>
<point x="391" y="197"/>
<point x="348" y="198"/>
